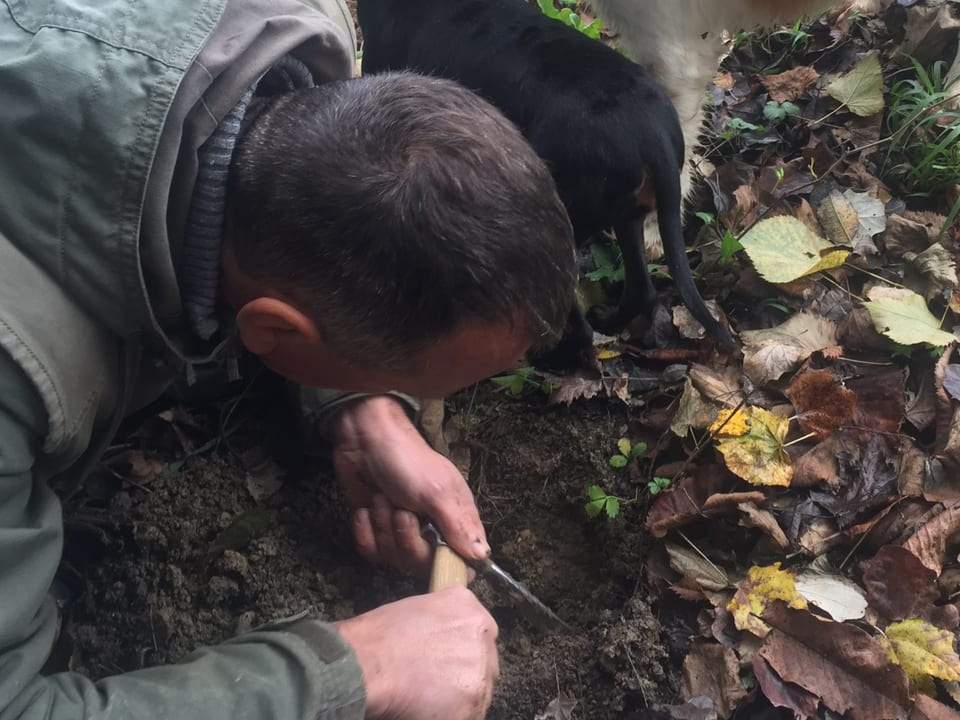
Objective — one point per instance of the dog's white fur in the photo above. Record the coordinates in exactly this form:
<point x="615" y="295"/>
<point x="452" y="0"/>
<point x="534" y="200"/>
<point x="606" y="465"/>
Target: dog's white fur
<point x="681" y="43"/>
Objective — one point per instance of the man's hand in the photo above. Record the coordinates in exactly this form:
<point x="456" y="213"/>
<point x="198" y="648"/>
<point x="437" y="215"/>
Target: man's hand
<point x="389" y="473"/>
<point x="428" y="657"/>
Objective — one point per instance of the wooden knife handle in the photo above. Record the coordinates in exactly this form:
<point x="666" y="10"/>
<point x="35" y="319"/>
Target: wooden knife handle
<point x="449" y="569"/>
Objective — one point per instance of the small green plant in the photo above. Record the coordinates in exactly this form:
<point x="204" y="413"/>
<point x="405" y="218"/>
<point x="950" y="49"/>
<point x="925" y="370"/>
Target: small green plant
<point x="566" y="12"/>
<point x="523" y="379"/>
<point x="924" y="148"/>
<point x="607" y="261"/>
<point x="599" y="502"/>
<point x="627" y="452"/>
<point x="795" y="36"/>
<point x="729" y="244"/>
<point x="657" y="485"/>
<point x="735" y="126"/>
<point x="778" y="112"/>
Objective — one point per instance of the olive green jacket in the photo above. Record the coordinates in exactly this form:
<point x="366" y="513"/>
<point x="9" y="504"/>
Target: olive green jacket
<point x="103" y="104"/>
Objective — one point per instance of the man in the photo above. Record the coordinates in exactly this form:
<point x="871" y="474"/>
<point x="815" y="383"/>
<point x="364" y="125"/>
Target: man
<point x="189" y="179"/>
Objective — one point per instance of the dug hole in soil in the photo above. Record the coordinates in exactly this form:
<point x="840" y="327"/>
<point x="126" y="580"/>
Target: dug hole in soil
<point x="249" y="531"/>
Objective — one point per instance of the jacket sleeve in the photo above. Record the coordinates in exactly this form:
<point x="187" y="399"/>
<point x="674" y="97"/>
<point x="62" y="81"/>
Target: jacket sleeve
<point x="298" y="669"/>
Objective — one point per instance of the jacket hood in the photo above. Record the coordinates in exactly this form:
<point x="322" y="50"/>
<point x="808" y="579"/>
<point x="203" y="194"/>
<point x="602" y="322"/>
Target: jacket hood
<point x="105" y="104"/>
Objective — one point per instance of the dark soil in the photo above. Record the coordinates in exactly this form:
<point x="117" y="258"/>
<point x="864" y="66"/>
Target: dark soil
<point x="158" y="582"/>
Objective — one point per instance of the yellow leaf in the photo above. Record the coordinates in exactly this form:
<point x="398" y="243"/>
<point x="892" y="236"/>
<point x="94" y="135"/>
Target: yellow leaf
<point x="783" y="249"/>
<point x="762" y="586"/>
<point x="924" y="651"/>
<point x="608" y="354"/>
<point x="903" y="316"/>
<point x="751" y="443"/>
<point x="861" y="89"/>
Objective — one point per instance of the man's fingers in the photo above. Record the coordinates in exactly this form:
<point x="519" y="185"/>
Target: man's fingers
<point x="455" y="514"/>
<point x="417" y="552"/>
<point x="363" y="535"/>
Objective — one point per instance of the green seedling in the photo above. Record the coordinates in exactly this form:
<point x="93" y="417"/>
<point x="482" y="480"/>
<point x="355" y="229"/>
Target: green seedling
<point x="607" y="261"/>
<point x="729" y="244"/>
<point x="523" y="379"/>
<point x="628" y="451"/>
<point x="657" y="485"/>
<point x="778" y="112"/>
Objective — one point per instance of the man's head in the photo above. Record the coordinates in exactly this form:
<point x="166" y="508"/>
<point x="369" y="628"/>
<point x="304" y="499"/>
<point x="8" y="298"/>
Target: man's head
<point x="393" y="230"/>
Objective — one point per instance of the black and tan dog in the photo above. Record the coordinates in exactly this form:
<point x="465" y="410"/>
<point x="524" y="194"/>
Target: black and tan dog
<point x="607" y="131"/>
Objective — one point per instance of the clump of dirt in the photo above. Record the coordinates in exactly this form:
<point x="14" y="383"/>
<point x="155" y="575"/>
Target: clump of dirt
<point x="165" y="570"/>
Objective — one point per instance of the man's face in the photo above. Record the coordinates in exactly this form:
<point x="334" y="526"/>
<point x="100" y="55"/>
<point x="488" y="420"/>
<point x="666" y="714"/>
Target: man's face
<point x="455" y="361"/>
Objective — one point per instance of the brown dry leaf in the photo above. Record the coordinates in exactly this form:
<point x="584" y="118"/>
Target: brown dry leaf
<point x="724" y="503"/>
<point x="765" y="521"/>
<point x="822" y="404"/>
<point x="784" y="694"/>
<point x="899" y="585"/>
<point x="805" y="214"/>
<point x="819" y="465"/>
<point x="768" y="354"/>
<point x="721" y="386"/>
<point x="762" y="586"/>
<point x="713" y="671"/>
<point x="927" y="708"/>
<point x="724" y="80"/>
<point x="791" y="84"/>
<point x="905" y="235"/>
<point x="697" y="571"/>
<point x="841" y="664"/>
<point x="560" y="708"/>
<point x="881" y="401"/>
<point x="839" y="219"/>
<point x="692" y="412"/>
<point x="929" y="543"/>
<point x="570" y="388"/>
<point x="683" y="501"/>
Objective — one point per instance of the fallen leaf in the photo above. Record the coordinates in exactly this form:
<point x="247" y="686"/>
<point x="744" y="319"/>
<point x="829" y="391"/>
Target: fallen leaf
<point x="683" y="501"/>
<point x="903" y="316"/>
<point x="144" y="470"/>
<point x="914" y="588"/>
<point x="923" y="651"/>
<point x="839" y="663"/>
<point x="265" y="480"/>
<point x="861" y="89"/>
<point x="838" y="596"/>
<point x="783" y="249"/>
<point x="688" y="326"/>
<point x="822" y="404"/>
<point x="765" y="521"/>
<point x="713" y="671"/>
<point x="560" y="708"/>
<point x="762" y="586"/>
<point x="932" y="272"/>
<point x="244" y="529"/>
<point x="819" y="464"/>
<point x="881" y="402"/>
<point x="951" y="380"/>
<point x="871" y="220"/>
<point x="768" y="354"/>
<point x="790" y="84"/>
<point x="720" y="385"/>
<point x="751" y="440"/>
<point x="698" y="572"/>
<point x="839" y="219"/>
<point x="692" y="412"/>
<point x="781" y="693"/>
<point x="570" y="388"/>
<point x="926" y="708"/>
<point x="929" y="542"/>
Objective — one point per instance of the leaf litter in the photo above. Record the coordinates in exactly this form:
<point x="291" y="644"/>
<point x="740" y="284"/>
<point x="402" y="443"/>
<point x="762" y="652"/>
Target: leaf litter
<point x="811" y="512"/>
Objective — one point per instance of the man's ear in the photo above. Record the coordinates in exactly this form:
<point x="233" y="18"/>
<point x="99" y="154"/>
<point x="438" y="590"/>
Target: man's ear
<point x="264" y="323"/>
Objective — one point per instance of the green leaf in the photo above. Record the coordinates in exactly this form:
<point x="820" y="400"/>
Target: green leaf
<point x="618" y="461"/>
<point x="595" y="492"/>
<point x="773" y="111"/>
<point x="594" y="507"/>
<point x="861" y="89"/>
<point x="783" y="249"/>
<point x="790" y="108"/>
<point x="706" y="218"/>
<point x="624" y="445"/>
<point x="903" y="316"/>
<point x="658" y="484"/>
<point x="741" y="125"/>
<point x="612" y="507"/>
<point x="729" y="246"/>
<point x="637" y="450"/>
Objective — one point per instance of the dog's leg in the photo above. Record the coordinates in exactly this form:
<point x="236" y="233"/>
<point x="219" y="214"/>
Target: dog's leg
<point x="639" y="295"/>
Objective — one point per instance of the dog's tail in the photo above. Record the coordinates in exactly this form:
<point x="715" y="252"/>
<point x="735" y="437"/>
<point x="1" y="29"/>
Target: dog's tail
<point x="666" y="183"/>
